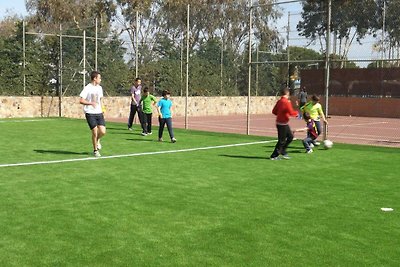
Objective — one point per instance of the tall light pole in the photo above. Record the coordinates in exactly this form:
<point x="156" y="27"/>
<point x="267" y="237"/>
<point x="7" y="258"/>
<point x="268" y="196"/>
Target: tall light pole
<point x="327" y="65"/>
<point x="257" y="82"/>
<point x="95" y="47"/>
<point x="222" y="66"/>
<point x="187" y="65"/>
<point x="250" y="44"/>
<point x="181" y="63"/>
<point x="137" y="45"/>
<point x="249" y="78"/>
<point x="383" y="32"/>
<point x="287" y="51"/>
<point x="84" y="58"/>
<point x="60" y="75"/>
<point x="24" y="54"/>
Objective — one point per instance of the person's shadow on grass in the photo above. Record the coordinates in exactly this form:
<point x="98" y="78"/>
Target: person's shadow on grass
<point x="120" y="130"/>
<point x="242" y="157"/>
<point x="117" y="128"/>
<point x="290" y="149"/>
<point x="42" y="151"/>
<point x="141" y="140"/>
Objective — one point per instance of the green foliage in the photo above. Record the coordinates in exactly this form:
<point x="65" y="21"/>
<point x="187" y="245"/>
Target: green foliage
<point x="43" y="58"/>
<point x="113" y="67"/>
<point x="163" y="74"/>
<point x="10" y="64"/>
<point x="350" y="20"/>
<point x="162" y="60"/>
<point x="392" y="21"/>
<point x="218" y="45"/>
<point x="210" y="22"/>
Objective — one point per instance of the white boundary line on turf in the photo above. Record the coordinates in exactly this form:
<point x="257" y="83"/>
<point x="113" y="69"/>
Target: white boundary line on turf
<point x="131" y="155"/>
<point x="4" y="121"/>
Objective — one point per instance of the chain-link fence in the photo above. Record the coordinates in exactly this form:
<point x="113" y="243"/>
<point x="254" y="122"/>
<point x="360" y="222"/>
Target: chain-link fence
<point x="69" y="55"/>
<point x="284" y="42"/>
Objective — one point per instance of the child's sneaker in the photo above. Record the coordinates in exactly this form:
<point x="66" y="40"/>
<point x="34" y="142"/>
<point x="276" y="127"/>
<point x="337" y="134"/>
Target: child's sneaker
<point x="149" y="133"/>
<point x="96" y="153"/>
<point x="98" y="145"/>
<point x="309" y="151"/>
<point x="160" y="140"/>
<point x="286" y="156"/>
<point x="173" y="140"/>
<point x="275" y="158"/>
<point x="144" y="134"/>
<point x="311" y="145"/>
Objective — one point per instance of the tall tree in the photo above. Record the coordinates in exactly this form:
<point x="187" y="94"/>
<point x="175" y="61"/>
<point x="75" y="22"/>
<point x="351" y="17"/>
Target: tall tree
<point x="163" y="29"/>
<point x="351" y="21"/>
<point x="219" y="33"/>
<point x="82" y="12"/>
<point x="46" y="17"/>
<point x="388" y="20"/>
<point x="11" y="56"/>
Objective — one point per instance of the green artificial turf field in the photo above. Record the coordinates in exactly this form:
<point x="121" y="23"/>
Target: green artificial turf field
<point x="197" y="202"/>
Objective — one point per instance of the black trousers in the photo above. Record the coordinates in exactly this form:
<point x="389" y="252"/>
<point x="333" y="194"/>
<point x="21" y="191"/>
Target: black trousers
<point x="146" y="125"/>
<point x="285" y="137"/>
<point x="162" y="122"/>
<point x="132" y="113"/>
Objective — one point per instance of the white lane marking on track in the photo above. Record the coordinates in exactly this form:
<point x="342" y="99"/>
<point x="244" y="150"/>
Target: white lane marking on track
<point x="366" y="139"/>
<point x="131" y="155"/>
<point x="359" y="124"/>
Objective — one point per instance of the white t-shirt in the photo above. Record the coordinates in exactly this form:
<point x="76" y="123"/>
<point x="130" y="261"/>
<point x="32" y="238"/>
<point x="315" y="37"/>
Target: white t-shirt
<point x="92" y="93"/>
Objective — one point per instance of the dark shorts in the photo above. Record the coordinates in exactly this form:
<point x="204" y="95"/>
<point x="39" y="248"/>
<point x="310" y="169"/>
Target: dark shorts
<point x="94" y="120"/>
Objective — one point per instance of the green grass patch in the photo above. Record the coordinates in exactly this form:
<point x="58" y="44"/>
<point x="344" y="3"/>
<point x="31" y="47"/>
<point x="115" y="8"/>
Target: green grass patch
<point x="217" y="207"/>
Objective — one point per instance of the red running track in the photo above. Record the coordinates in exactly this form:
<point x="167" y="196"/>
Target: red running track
<point x="341" y="129"/>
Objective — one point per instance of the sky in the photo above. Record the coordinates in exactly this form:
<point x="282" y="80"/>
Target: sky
<point x="11" y="7"/>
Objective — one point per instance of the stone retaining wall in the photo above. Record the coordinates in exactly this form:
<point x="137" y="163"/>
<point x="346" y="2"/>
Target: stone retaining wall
<point x="118" y="107"/>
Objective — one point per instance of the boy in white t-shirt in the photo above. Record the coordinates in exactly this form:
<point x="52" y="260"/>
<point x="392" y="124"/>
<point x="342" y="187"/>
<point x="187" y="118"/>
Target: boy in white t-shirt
<point x="91" y="99"/>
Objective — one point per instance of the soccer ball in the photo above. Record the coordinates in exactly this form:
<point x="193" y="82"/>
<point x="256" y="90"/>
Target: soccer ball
<point x="328" y="144"/>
